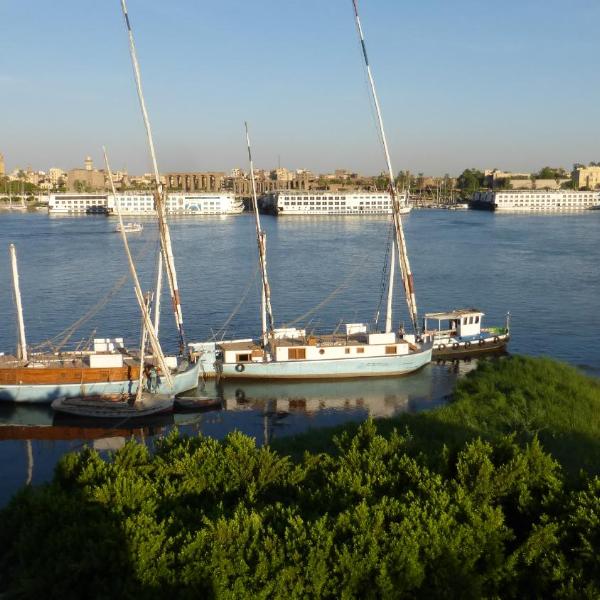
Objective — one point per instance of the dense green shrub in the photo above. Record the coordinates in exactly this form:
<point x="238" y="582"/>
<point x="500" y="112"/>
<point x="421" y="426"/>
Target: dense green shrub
<point x="381" y="516"/>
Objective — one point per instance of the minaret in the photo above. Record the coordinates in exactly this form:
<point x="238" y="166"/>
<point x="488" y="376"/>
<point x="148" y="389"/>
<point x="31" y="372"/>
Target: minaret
<point x="89" y="166"/>
<point x="2" y="165"/>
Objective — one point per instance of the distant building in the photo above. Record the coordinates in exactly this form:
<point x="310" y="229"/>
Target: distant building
<point x="586" y="177"/>
<point x="87" y="179"/>
<point x="2" y="165"/>
<point x="212" y="181"/>
<point x="55" y="176"/>
<point x="282" y="174"/>
<point x="493" y="177"/>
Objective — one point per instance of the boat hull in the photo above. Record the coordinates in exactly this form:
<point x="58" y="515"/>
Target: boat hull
<point x="467" y="349"/>
<point x="104" y="407"/>
<point x="346" y="368"/>
<point x="46" y="393"/>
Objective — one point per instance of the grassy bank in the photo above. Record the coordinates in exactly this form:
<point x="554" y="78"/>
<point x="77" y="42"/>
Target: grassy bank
<point x="482" y="498"/>
<point x="522" y="396"/>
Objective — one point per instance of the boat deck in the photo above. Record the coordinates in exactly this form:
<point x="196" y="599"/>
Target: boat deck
<point x="316" y="340"/>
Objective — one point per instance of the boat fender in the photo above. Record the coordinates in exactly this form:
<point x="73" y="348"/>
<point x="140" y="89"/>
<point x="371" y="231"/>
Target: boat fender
<point x="467" y="344"/>
<point x="481" y="342"/>
<point x="239" y="367"/>
<point x="441" y="347"/>
<point x="496" y="339"/>
<point x="455" y="345"/>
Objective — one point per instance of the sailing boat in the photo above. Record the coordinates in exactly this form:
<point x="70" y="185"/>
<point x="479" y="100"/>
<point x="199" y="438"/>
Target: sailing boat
<point x="290" y="353"/>
<point x="120" y="406"/>
<point x="144" y="402"/>
<point x="109" y="368"/>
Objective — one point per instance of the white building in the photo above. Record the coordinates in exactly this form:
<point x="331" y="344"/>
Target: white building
<point x="537" y="200"/>
<point x="330" y="203"/>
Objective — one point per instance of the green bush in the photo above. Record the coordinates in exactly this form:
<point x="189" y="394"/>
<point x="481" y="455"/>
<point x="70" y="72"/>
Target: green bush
<point x="486" y="512"/>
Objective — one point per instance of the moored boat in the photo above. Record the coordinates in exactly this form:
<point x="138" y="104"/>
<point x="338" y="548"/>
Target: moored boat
<point x="129" y="227"/>
<point x="290" y="353"/>
<point x="71" y="374"/>
<point x="459" y="334"/>
<point x="115" y="406"/>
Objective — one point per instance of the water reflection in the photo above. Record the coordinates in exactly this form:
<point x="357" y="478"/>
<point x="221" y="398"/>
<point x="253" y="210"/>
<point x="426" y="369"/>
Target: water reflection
<point x="34" y="438"/>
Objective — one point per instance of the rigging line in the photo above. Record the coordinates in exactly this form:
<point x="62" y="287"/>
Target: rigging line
<point x="371" y="103"/>
<point x="328" y="298"/>
<point x="251" y="281"/>
<point x="62" y="337"/>
<point x="386" y="262"/>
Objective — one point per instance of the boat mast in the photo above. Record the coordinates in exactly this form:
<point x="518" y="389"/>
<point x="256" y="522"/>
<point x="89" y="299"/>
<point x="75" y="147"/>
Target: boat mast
<point x="157" y="293"/>
<point x="159" y="200"/>
<point x="140" y="389"/>
<point x="139" y="295"/>
<point x="390" y="298"/>
<point x="407" y="277"/>
<point x="261" y="240"/>
<point x="22" y="343"/>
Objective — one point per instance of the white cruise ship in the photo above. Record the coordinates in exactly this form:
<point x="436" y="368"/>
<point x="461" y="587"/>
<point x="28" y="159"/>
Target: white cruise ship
<point x="178" y="203"/>
<point x="537" y="200"/>
<point x="76" y="203"/>
<point x="331" y="203"/>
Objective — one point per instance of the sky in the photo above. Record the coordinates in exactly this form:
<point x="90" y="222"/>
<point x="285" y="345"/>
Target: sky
<point x="463" y="83"/>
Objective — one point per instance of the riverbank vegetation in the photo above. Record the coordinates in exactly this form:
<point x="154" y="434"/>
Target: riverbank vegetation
<point x="493" y="495"/>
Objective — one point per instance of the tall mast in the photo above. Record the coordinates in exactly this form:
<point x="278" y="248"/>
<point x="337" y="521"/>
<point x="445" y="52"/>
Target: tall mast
<point x="261" y="241"/>
<point x="407" y="277"/>
<point x="159" y="200"/>
<point x="22" y="343"/>
<point x="139" y="295"/>
<point x="157" y="293"/>
<point x="140" y="389"/>
<point x="390" y="298"/>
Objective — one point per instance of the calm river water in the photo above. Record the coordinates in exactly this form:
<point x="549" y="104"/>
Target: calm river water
<point x="544" y="269"/>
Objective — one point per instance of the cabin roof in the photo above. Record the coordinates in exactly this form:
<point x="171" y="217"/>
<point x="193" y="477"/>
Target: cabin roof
<point x="454" y="314"/>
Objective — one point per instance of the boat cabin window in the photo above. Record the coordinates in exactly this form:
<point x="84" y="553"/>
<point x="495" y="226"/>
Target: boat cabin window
<point x="477" y="319"/>
<point x="360" y="350"/>
<point x="296" y="353"/>
<point x="243" y="357"/>
<point x="390" y="349"/>
<point x="347" y="350"/>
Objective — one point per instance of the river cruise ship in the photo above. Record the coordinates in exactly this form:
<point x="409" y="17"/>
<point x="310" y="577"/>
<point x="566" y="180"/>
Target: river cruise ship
<point x="325" y="203"/>
<point x="178" y="203"/>
<point x="537" y="200"/>
<point x="77" y="203"/>
<point x="143" y="204"/>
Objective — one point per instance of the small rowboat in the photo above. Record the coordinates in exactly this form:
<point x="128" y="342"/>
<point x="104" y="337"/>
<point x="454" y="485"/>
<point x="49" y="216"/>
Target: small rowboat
<point x="197" y="403"/>
<point x="115" y="406"/>
<point x="130" y="228"/>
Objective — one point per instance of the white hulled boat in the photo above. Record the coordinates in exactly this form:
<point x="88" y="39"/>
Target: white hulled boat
<point x="325" y="203"/>
<point x="108" y="370"/>
<point x="292" y="354"/>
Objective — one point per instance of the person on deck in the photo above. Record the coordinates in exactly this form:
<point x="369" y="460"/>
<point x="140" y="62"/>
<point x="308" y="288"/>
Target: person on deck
<point x="153" y="380"/>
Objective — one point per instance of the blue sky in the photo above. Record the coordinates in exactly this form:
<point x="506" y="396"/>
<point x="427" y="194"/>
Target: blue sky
<point x="467" y="83"/>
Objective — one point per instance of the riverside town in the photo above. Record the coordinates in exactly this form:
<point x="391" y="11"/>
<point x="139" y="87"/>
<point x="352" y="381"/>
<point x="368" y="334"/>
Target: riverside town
<point x="306" y="314"/>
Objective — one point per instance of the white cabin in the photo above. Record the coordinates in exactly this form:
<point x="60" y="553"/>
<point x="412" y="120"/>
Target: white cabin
<point x="463" y="323"/>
